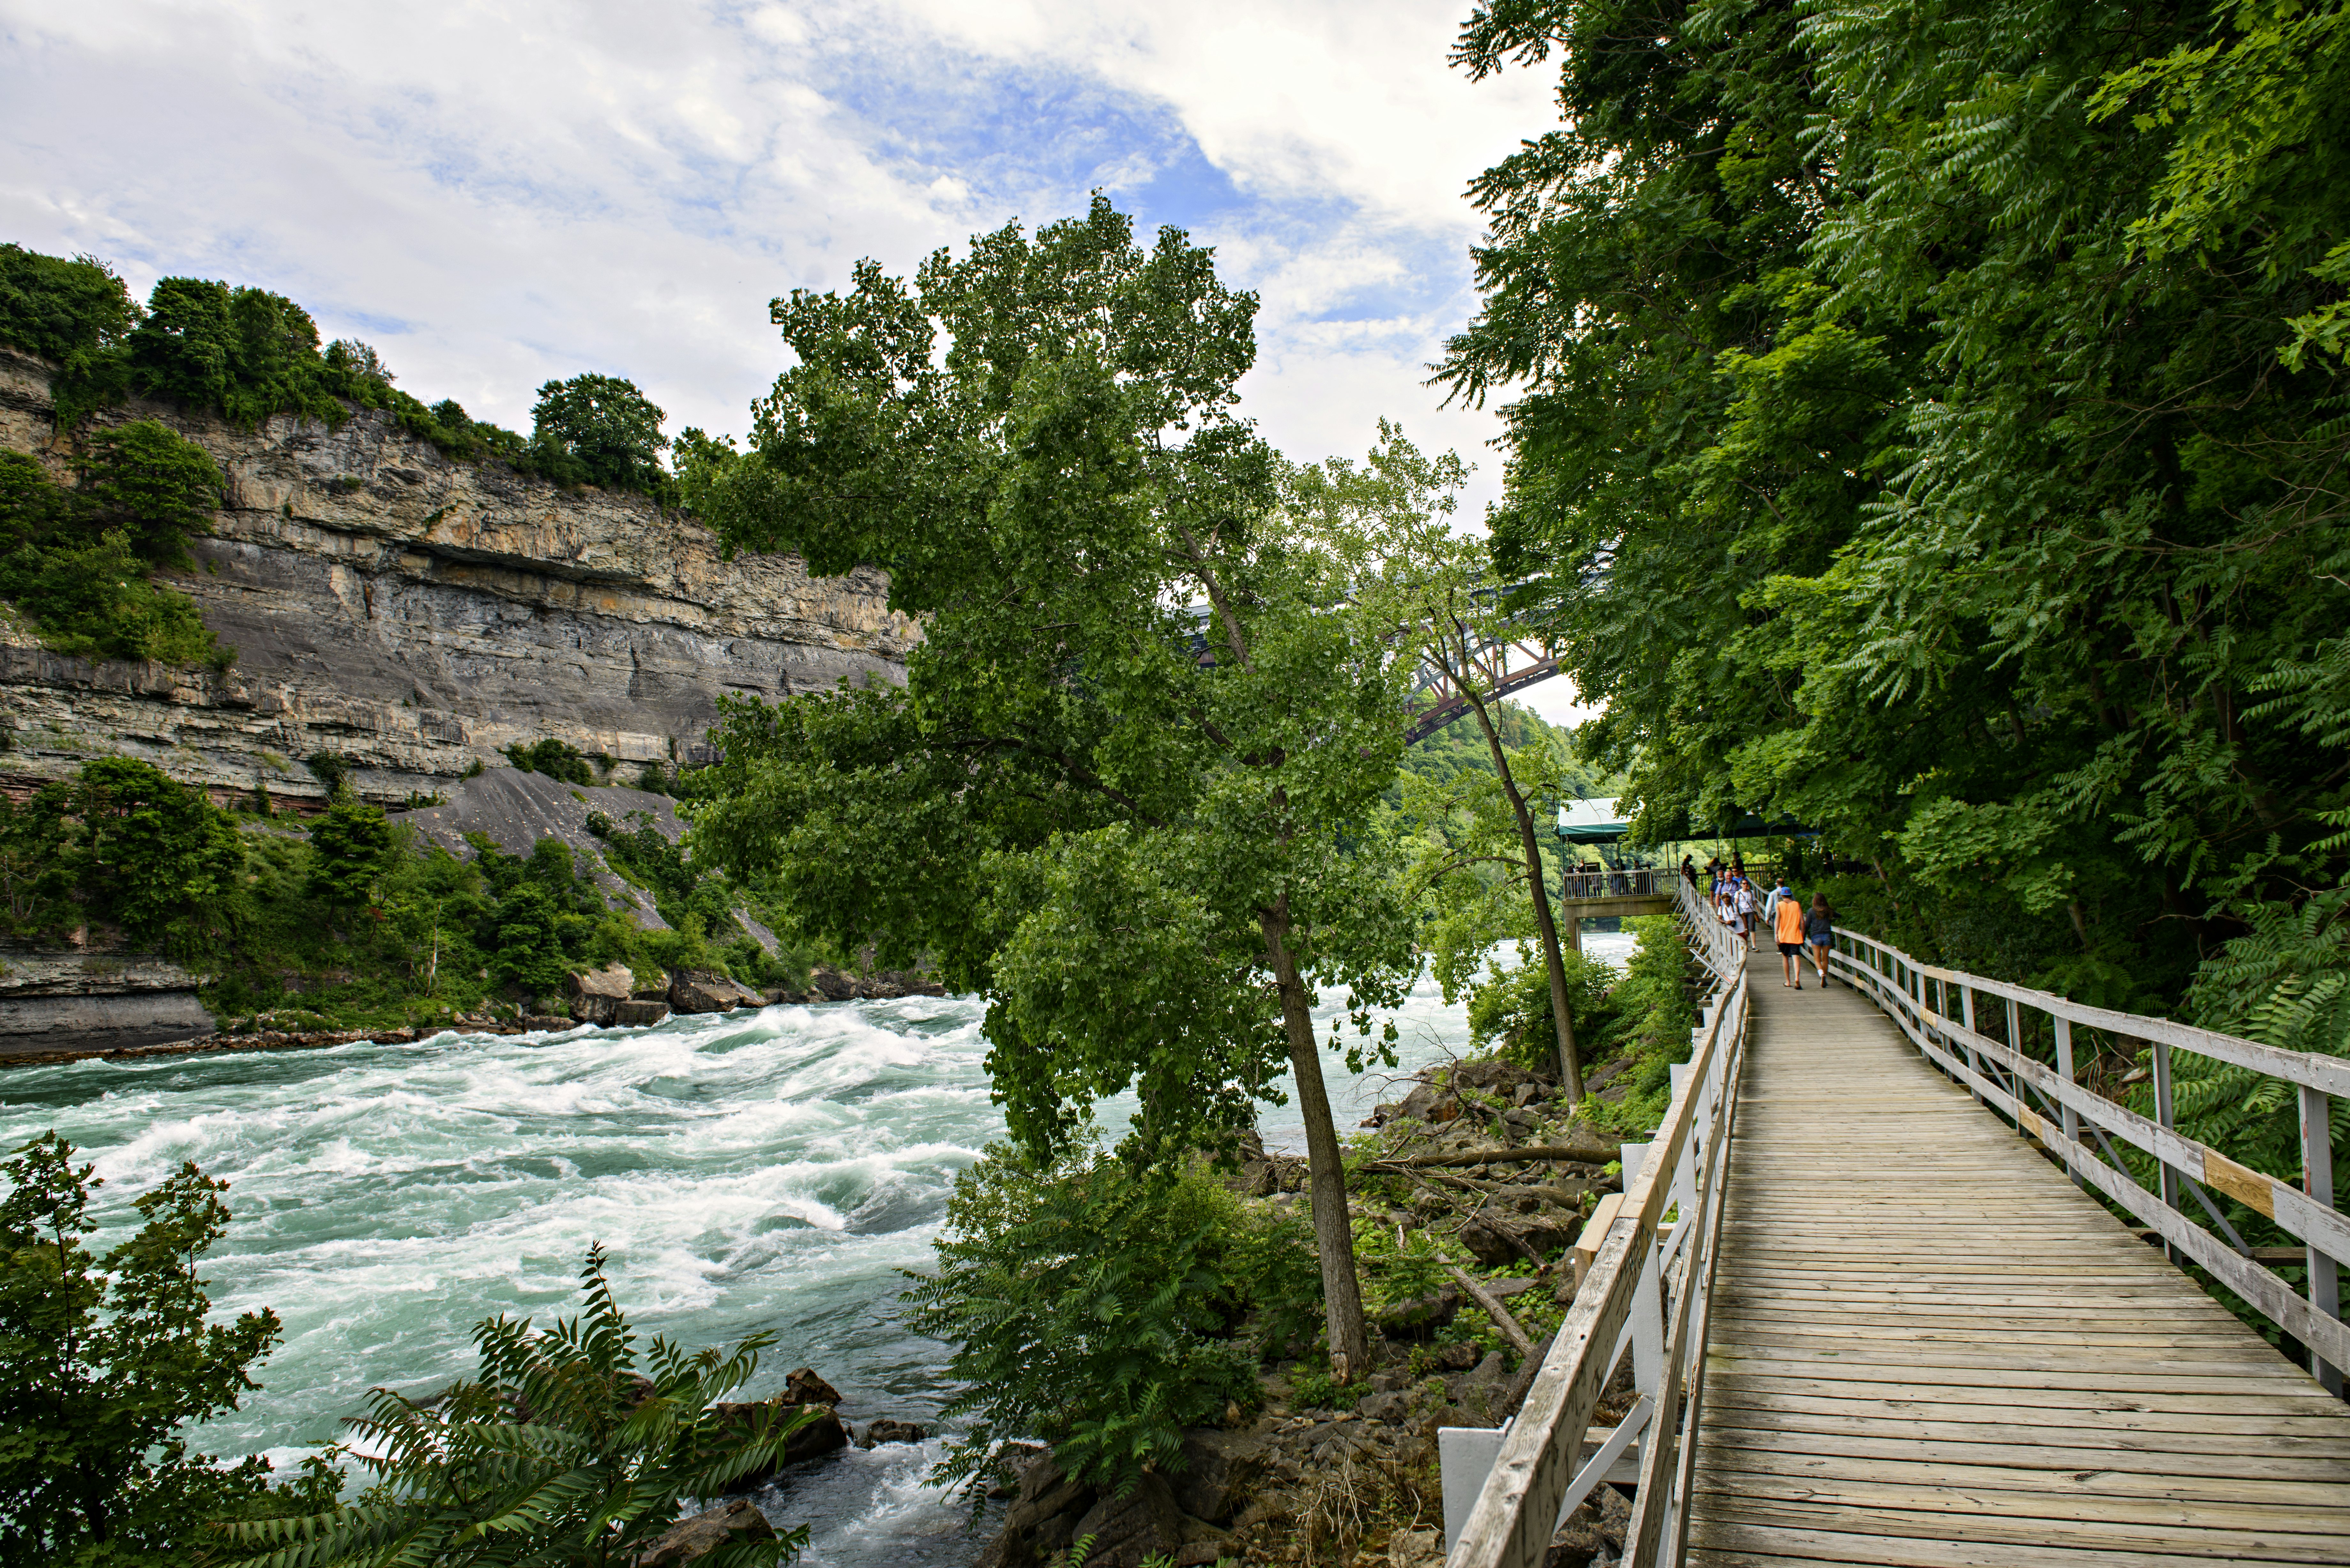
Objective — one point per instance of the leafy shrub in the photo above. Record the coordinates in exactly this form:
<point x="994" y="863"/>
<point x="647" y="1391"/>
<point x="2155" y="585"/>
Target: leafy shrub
<point x="569" y="1450"/>
<point x="1091" y="1305"/>
<point x="79" y="562"/>
<point x="555" y="759"/>
<point x="2285" y="983"/>
<point x="1512" y="1008"/>
<point x="103" y="1364"/>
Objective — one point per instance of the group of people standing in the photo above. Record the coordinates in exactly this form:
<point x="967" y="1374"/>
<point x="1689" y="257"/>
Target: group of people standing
<point x="1747" y="912"/>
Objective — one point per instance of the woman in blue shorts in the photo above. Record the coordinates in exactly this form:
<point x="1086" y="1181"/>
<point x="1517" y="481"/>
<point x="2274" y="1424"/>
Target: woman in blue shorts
<point x="1819" y="932"/>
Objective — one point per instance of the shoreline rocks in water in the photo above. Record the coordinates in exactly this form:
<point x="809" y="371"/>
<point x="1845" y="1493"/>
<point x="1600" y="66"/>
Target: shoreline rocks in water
<point x="1484" y="1153"/>
<point x="60" y="1005"/>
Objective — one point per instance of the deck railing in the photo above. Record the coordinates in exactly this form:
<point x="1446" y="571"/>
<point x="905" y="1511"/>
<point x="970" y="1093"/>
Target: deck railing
<point x="1609" y="882"/>
<point x="1646" y="1289"/>
<point x="2080" y="1126"/>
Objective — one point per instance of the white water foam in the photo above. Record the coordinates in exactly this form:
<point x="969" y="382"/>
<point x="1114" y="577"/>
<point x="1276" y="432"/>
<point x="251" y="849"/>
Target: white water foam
<point x="756" y="1172"/>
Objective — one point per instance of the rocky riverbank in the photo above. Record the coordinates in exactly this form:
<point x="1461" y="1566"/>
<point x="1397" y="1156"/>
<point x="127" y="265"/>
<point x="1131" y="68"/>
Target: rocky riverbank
<point x="1490" y="1158"/>
<point x="594" y="1002"/>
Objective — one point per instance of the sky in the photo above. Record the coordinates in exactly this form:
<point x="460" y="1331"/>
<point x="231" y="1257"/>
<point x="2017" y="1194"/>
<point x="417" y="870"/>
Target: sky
<point x="496" y="193"/>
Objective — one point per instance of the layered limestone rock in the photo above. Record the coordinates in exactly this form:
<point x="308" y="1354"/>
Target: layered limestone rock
<point x="415" y="615"/>
<point x="78" y="1002"/>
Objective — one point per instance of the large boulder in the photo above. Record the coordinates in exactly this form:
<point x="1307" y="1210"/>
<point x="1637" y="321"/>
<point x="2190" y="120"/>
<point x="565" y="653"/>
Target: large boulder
<point x="1219" y="1465"/>
<point x="1146" y="1522"/>
<point x="638" y="1012"/>
<point x="707" y="990"/>
<point x="738" y="1520"/>
<point x="826" y="1434"/>
<point x="887" y="1430"/>
<point x="803" y="1386"/>
<point x="1497" y="1237"/>
<point x="596" y="995"/>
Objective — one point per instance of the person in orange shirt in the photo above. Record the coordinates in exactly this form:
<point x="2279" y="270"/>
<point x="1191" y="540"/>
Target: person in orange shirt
<point x="1787" y="921"/>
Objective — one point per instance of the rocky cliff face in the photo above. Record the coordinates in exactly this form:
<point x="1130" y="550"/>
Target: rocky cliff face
<point x="416" y="615"/>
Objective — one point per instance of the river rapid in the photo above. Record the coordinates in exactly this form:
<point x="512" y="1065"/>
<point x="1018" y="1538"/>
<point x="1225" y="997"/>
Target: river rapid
<point x="757" y="1172"/>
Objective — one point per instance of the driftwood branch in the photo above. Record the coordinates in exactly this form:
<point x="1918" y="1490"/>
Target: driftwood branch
<point x="1579" y="1154"/>
<point x="1509" y="1326"/>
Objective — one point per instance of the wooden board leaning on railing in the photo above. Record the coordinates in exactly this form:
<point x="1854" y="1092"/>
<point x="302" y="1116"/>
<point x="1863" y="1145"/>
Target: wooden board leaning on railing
<point x="1518" y="1509"/>
<point x="2078" y="1125"/>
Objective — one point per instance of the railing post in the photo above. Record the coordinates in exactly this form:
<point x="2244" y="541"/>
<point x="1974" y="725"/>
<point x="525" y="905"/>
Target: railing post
<point x="2163" y="1118"/>
<point x="2317" y="1181"/>
<point x="2066" y="1117"/>
<point x="1647" y="1299"/>
<point x="1966" y="1012"/>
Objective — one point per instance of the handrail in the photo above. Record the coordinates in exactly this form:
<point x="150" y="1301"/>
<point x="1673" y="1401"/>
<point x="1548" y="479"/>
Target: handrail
<point x="1618" y="882"/>
<point x="2002" y="1074"/>
<point x="1650" y="1286"/>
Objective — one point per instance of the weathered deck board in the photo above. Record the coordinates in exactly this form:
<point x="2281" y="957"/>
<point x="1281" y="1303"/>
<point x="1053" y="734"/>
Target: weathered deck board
<point x="1929" y="1348"/>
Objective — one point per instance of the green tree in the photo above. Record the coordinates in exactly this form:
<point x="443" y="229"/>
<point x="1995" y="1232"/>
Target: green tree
<point x="529" y="950"/>
<point x="36" y="884"/>
<point x="1906" y="439"/>
<point x="1390" y="522"/>
<point x="158" y="487"/>
<point x="149" y="850"/>
<point x="1121" y="793"/>
<point x="104" y="1362"/>
<point x="606" y="431"/>
<point x="59" y="309"/>
<point x="570" y="1451"/>
<point x="351" y="848"/>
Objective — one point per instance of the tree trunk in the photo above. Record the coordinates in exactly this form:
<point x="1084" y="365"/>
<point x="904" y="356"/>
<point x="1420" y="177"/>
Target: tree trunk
<point x="1570" y="1068"/>
<point x="1334" y="1235"/>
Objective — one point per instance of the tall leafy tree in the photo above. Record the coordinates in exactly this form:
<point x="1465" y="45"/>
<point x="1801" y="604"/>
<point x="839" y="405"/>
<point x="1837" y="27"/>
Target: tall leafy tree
<point x="600" y="429"/>
<point x="1390" y="521"/>
<point x="1924" y="426"/>
<point x="1121" y="794"/>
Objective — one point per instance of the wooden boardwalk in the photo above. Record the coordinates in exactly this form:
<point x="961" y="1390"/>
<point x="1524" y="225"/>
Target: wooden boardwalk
<point x="1928" y="1348"/>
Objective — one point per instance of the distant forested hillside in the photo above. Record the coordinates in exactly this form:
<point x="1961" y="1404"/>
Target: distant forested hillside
<point x="1459" y="747"/>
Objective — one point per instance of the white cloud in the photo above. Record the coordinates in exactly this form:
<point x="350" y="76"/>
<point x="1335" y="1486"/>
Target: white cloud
<point x="498" y="193"/>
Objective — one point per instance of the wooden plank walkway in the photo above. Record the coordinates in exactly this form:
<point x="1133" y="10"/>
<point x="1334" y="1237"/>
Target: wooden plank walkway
<point x="1928" y="1348"/>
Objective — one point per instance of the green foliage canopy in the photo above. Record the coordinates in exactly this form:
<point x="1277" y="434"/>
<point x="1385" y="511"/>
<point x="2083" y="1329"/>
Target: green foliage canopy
<point x="602" y="429"/>
<point x="571" y="1448"/>
<point x="103" y="1361"/>
<point x="1923" y="428"/>
<point x="1121" y="792"/>
<point x="79" y="563"/>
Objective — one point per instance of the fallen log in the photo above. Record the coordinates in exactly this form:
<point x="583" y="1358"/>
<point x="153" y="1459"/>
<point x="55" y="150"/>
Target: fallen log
<point x="1579" y="1154"/>
<point x="1509" y="1326"/>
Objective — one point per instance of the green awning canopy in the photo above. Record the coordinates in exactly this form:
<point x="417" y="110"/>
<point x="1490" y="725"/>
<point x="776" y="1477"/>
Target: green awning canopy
<point x="1591" y="822"/>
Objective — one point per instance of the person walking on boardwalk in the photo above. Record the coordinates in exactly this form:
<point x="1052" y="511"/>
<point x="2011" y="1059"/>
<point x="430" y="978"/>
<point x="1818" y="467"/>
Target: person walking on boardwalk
<point x="1819" y="930"/>
<point x="1742" y="904"/>
<point x="1787" y="922"/>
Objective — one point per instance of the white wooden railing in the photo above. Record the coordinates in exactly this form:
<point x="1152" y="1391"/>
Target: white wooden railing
<point x="1575" y="884"/>
<point x="2080" y="1126"/>
<point x="1646" y="1289"/>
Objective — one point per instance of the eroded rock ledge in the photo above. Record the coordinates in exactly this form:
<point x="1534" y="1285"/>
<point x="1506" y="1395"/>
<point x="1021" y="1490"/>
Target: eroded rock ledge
<point x="416" y="615"/>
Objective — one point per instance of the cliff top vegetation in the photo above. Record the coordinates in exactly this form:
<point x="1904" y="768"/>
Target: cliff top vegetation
<point x="248" y="354"/>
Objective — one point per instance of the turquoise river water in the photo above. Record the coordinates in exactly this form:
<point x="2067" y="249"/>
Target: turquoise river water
<point x="758" y="1171"/>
